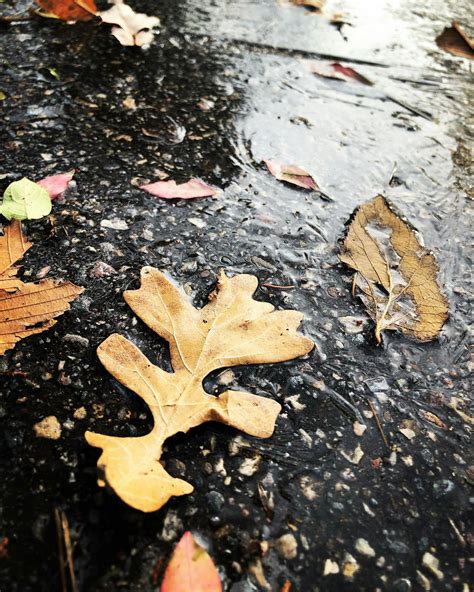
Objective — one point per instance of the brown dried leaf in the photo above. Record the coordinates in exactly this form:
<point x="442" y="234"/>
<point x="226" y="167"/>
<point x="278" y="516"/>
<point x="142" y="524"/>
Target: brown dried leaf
<point x="232" y="329"/>
<point x="315" y="5"/>
<point x="26" y="308"/>
<point x="454" y="40"/>
<point x="13" y="245"/>
<point x="396" y="276"/>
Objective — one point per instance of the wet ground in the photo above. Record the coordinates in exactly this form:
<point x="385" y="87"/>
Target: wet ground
<point x="235" y="78"/>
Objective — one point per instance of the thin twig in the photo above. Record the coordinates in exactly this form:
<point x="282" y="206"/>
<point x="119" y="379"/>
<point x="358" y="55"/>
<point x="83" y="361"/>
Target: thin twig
<point x="65" y="550"/>
<point x="458" y="534"/>
<point x="354" y="284"/>
<point x="276" y="287"/>
<point x="67" y="542"/>
<point x="57" y="519"/>
<point x="15" y="18"/>
<point x="379" y="425"/>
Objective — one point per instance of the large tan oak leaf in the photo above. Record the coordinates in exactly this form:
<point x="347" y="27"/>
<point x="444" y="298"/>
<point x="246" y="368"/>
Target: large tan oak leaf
<point x="232" y="329"/>
<point x="26" y="308"/>
<point x="396" y="276"/>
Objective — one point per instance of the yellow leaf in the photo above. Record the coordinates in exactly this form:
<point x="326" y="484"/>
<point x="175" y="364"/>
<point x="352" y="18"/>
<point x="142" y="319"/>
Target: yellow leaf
<point x="396" y="276"/>
<point x="232" y="329"/>
<point x="26" y="308"/>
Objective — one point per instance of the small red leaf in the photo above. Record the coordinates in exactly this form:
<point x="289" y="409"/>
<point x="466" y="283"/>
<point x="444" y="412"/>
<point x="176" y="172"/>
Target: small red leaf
<point x="291" y="173"/>
<point x="70" y="10"/>
<point x="56" y="185"/>
<point x="351" y="73"/>
<point x="190" y="569"/>
<point x="170" y="190"/>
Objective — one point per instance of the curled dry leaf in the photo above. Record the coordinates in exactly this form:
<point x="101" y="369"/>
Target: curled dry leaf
<point x="69" y="10"/>
<point x="456" y="41"/>
<point x="190" y="568"/>
<point x="171" y="190"/>
<point x="232" y="329"/>
<point x="316" y="5"/>
<point x="56" y="185"/>
<point x="396" y="277"/>
<point x="348" y="72"/>
<point x="337" y="71"/>
<point x="132" y="28"/>
<point x="26" y="308"/>
<point x="291" y="173"/>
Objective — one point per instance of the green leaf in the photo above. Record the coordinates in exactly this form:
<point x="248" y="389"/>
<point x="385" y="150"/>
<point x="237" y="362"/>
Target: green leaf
<point x="25" y="200"/>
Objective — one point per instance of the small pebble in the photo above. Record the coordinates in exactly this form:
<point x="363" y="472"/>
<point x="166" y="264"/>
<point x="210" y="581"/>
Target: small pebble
<point x="114" y="224"/>
<point x="49" y="427"/>
<point x="354" y="457"/>
<point x="250" y="466"/>
<point x="350" y="566"/>
<point x="408" y="433"/>
<point x="287" y="546"/>
<point x="78" y="340"/>
<point x="80" y="413"/>
<point x="359" y="428"/>
<point x="363" y="547"/>
<point x="101" y="270"/>
<point x="430" y="562"/>
<point x="330" y="567"/>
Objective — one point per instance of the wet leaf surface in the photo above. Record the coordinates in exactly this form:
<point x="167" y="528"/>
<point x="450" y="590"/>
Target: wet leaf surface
<point x="233" y="329"/>
<point x="396" y="278"/>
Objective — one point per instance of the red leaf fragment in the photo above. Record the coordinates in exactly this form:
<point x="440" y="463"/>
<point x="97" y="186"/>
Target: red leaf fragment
<point x="291" y="173"/>
<point x="56" y="185"/>
<point x="190" y="569"/>
<point x="3" y="547"/>
<point x="171" y="190"/>
<point x="351" y="73"/>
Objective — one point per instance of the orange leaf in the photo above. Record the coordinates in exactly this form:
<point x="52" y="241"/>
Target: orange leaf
<point x="26" y="308"/>
<point x="190" y="569"/>
<point x="70" y="10"/>
<point x="13" y="245"/>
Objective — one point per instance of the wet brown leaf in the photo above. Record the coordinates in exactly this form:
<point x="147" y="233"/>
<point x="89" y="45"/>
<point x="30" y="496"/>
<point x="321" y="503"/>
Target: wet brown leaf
<point x="396" y="277"/>
<point x="456" y="41"/>
<point x="26" y="308"/>
<point x="232" y="329"/>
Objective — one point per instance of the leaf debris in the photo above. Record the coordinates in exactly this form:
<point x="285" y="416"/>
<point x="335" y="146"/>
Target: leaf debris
<point x="456" y="41"/>
<point x="131" y="28"/>
<point x="26" y="308"/>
